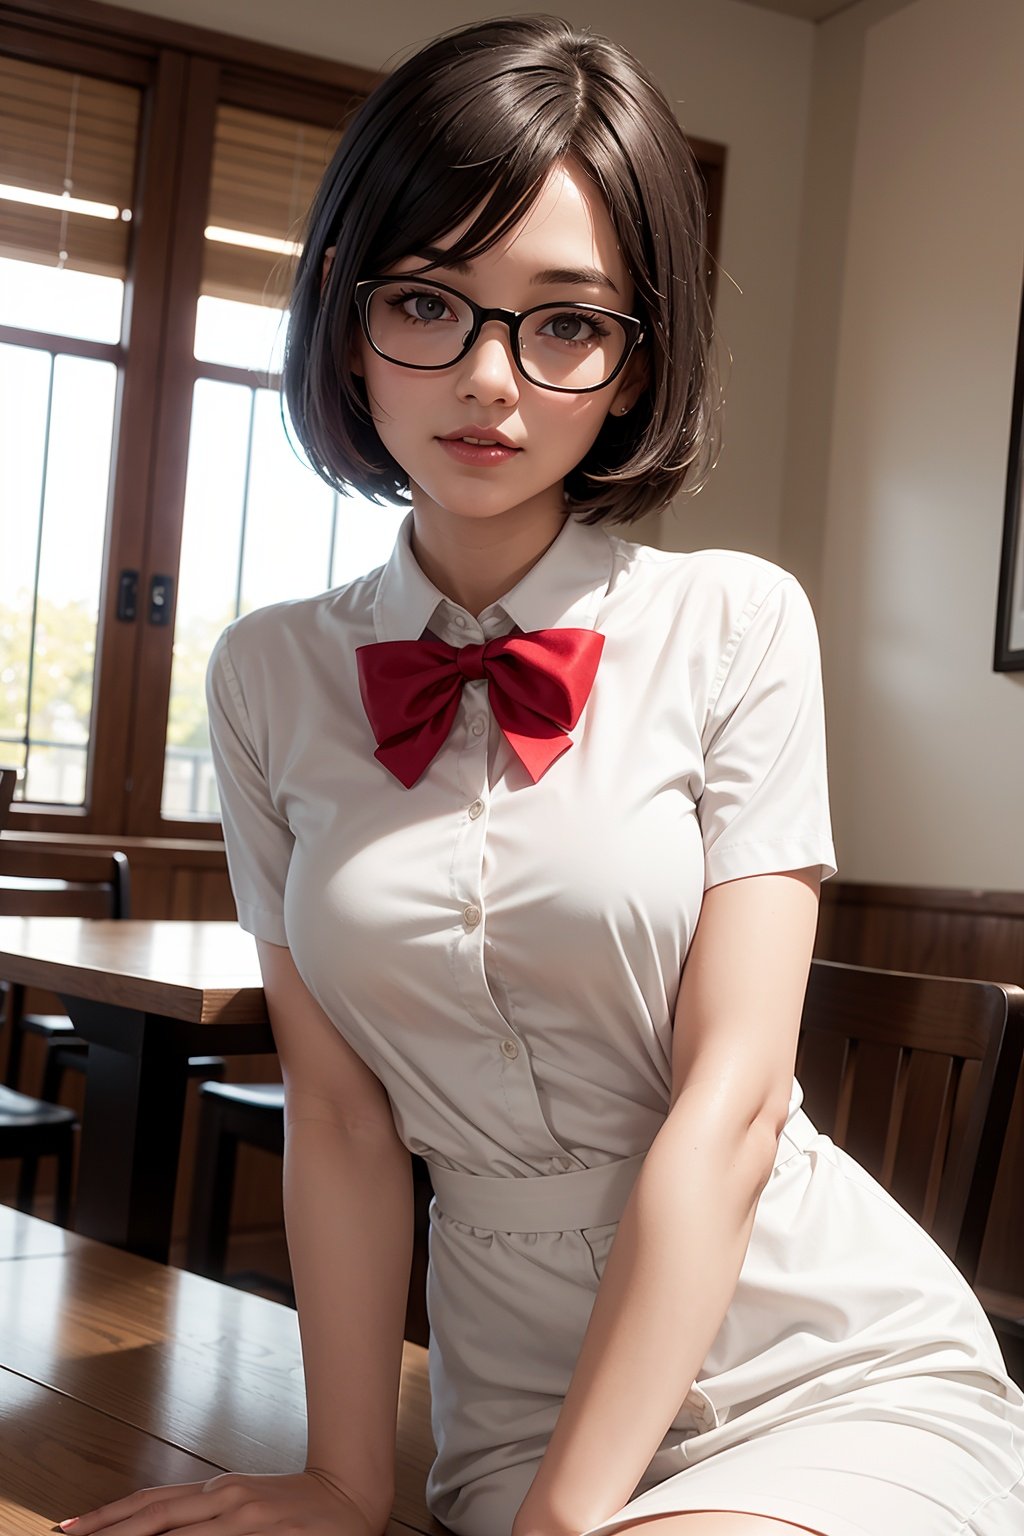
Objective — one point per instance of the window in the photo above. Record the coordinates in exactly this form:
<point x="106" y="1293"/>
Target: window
<point x="153" y="182"/>
<point x="67" y="163"/>
<point x="152" y="187"/>
<point x="258" y="523"/>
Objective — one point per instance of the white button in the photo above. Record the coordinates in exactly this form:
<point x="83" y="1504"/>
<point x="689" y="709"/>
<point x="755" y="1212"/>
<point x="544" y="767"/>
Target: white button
<point x="479" y="726"/>
<point x="460" y="621"/>
<point x="475" y="809"/>
<point x="510" y="1049"/>
<point x="471" y="916"/>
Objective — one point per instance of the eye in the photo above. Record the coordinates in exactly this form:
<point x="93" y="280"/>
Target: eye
<point x="419" y="305"/>
<point x="574" y="327"/>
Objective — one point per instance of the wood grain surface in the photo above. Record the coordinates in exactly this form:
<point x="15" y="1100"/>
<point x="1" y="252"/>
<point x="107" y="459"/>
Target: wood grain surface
<point x="59" y="1457"/>
<point x="203" y="972"/>
<point x="117" y="1373"/>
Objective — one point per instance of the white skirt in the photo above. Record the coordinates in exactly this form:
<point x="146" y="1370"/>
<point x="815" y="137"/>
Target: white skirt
<point x="855" y="1386"/>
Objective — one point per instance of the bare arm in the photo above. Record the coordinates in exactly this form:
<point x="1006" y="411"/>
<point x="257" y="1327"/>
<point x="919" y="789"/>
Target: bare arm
<point x="687" y="1223"/>
<point x="349" y="1219"/>
<point x="348" y="1211"/>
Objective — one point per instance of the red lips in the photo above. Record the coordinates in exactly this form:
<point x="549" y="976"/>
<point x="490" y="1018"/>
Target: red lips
<point x="488" y="434"/>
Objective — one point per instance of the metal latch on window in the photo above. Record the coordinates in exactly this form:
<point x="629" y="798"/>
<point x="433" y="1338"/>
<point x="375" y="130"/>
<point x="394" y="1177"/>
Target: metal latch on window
<point x="161" y="595"/>
<point x="127" y="596"/>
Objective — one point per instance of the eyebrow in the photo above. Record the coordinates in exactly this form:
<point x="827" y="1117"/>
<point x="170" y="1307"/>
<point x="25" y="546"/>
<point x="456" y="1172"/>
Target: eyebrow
<point x="576" y="276"/>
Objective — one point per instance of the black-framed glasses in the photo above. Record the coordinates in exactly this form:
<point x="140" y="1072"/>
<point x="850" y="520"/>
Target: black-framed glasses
<point x="574" y="348"/>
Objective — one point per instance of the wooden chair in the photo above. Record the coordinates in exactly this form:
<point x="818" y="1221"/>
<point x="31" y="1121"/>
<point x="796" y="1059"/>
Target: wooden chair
<point x="31" y="1129"/>
<point x="947" y="1053"/>
<point x="44" y="882"/>
<point x="53" y="883"/>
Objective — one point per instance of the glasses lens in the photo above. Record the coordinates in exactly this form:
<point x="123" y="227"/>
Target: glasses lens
<point x="415" y="324"/>
<point x="573" y="348"/>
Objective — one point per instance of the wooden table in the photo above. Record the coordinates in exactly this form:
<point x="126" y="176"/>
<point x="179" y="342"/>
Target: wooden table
<point x="117" y="1373"/>
<point x="146" y="996"/>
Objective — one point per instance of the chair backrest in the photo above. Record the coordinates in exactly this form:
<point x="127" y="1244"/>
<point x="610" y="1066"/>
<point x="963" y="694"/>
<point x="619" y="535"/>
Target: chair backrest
<point x="915" y="1077"/>
<point x="8" y="779"/>
<point x="52" y="882"/>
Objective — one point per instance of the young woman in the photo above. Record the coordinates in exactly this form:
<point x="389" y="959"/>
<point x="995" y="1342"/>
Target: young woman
<point x="529" y="825"/>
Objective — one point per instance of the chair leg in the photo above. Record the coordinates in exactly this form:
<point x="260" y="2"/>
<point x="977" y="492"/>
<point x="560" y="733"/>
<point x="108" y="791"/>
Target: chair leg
<point x="12" y="1018"/>
<point x="62" y="1202"/>
<point x="216" y="1149"/>
<point x="27" y="1183"/>
<point x="29" y="1172"/>
<point x="53" y="1075"/>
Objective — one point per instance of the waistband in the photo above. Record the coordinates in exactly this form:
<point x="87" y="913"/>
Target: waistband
<point x="563" y="1202"/>
<point x="546" y="1202"/>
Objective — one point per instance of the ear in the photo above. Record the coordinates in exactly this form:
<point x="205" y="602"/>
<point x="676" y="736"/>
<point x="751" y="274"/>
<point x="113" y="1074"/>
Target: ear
<point x="631" y="385"/>
<point x="355" y="352"/>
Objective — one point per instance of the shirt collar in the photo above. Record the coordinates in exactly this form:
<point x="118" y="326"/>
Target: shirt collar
<point x="562" y="591"/>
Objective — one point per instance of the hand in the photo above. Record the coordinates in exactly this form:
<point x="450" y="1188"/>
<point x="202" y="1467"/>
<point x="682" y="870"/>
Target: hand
<point x="244" y="1505"/>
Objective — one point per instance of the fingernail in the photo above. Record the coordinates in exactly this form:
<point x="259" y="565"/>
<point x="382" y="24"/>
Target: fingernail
<point x="65" y="1523"/>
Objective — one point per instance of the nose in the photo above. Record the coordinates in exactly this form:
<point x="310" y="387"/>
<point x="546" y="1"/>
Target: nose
<point x="488" y="372"/>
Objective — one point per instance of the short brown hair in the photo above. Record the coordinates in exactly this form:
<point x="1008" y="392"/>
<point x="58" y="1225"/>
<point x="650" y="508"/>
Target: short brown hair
<point x="480" y="116"/>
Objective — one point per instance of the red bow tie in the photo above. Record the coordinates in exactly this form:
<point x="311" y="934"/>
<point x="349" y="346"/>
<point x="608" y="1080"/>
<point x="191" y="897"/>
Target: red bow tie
<point x="537" y="683"/>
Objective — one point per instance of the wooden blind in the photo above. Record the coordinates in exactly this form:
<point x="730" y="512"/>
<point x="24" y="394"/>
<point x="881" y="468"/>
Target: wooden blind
<point x="61" y="131"/>
<point x="265" y="173"/>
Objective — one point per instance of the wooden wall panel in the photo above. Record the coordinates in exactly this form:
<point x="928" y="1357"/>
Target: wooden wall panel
<point x="943" y="933"/>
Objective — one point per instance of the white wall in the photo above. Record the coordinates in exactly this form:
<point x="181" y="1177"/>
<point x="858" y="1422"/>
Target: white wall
<point x="836" y="84"/>
<point x="926" y="742"/>
<point x="735" y="74"/>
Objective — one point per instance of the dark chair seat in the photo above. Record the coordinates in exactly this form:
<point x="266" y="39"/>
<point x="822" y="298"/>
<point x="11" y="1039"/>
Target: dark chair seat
<point x="229" y="1113"/>
<point x="263" y="1108"/>
<point x="30" y="1129"/>
<point x="253" y="1114"/>
<point x="49" y="1025"/>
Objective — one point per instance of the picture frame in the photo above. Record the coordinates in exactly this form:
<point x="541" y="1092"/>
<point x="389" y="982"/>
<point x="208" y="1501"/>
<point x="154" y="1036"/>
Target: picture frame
<point x="1009" y="648"/>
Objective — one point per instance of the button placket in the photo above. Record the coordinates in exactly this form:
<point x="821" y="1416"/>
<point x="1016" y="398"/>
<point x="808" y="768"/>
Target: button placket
<point x="467" y="852"/>
<point x="468" y="862"/>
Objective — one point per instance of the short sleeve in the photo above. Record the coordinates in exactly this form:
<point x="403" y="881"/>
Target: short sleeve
<point x="764" y="808"/>
<point x="258" y="840"/>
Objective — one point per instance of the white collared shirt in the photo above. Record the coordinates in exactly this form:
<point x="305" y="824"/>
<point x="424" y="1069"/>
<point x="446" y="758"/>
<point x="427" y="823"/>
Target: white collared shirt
<point x="505" y="955"/>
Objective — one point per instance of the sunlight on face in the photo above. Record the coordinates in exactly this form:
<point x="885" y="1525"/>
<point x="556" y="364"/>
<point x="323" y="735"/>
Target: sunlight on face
<point x="568" y="228"/>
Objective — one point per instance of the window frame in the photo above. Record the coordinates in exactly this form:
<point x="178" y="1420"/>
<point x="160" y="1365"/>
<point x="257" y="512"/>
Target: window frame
<point x="184" y="73"/>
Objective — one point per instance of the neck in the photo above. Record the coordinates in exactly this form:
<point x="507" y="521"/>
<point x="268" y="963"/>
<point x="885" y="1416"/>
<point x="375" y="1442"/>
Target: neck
<point x="474" y="561"/>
